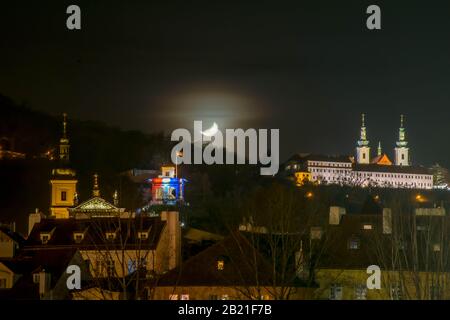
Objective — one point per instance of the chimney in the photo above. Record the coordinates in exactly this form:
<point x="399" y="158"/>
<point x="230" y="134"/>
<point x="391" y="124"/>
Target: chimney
<point x="174" y="237"/>
<point x="34" y="218"/>
<point x="387" y="221"/>
<point x="335" y="215"/>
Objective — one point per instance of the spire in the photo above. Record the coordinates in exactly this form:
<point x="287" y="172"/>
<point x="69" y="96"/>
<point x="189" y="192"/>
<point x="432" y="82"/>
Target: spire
<point x="116" y="198"/>
<point x="65" y="125"/>
<point x="379" y="152"/>
<point x="402" y="134"/>
<point x="64" y="145"/>
<point x="363" y="136"/>
<point x="96" y="190"/>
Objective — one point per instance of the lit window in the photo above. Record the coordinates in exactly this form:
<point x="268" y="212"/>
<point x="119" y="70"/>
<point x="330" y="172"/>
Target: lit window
<point x="110" y="235"/>
<point x="45" y="238"/>
<point x="173" y="297"/>
<point x="143" y="235"/>
<point x="353" y="244"/>
<point x="316" y="233"/>
<point x="336" y="292"/>
<point x="361" y="292"/>
<point x="396" y="291"/>
<point x="78" y="237"/>
<point x="421" y="228"/>
<point x="367" y="227"/>
<point x="184" y="297"/>
<point x="436" y="247"/>
<point x="36" y="278"/>
<point x="220" y="265"/>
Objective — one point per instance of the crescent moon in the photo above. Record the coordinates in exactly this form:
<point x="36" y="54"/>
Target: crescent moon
<point x="211" y="131"/>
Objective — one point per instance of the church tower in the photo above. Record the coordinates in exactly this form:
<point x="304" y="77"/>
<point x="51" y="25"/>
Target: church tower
<point x="401" y="149"/>
<point x="63" y="182"/>
<point x="362" y="148"/>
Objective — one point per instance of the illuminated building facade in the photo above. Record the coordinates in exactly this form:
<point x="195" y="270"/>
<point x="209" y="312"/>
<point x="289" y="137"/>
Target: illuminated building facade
<point x="167" y="188"/>
<point x="363" y="170"/>
<point x="63" y="181"/>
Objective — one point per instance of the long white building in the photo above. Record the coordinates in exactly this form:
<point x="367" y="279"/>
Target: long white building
<point x="363" y="170"/>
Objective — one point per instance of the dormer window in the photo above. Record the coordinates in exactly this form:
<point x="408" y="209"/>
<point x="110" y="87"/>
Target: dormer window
<point x="367" y="226"/>
<point x="36" y="277"/>
<point x="78" y="236"/>
<point x="143" y="235"/>
<point x="221" y="261"/>
<point x="110" y="236"/>
<point x="45" y="237"/>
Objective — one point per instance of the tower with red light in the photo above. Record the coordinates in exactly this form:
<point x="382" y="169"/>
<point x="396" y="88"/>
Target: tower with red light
<point x="167" y="188"/>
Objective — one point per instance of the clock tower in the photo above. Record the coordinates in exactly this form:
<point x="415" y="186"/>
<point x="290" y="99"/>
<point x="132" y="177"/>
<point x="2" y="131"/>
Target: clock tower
<point x="63" y="181"/>
<point x="362" y="145"/>
<point x="402" y="149"/>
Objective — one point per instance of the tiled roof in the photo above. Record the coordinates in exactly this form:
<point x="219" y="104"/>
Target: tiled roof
<point x="53" y="261"/>
<point x="319" y="157"/>
<point x="239" y="267"/>
<point x="94" y="230"/>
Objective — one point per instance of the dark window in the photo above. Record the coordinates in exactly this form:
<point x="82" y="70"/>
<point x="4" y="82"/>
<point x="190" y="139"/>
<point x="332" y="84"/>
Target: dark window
<point x="353" y="244"/>
<point x="63" y="196"/>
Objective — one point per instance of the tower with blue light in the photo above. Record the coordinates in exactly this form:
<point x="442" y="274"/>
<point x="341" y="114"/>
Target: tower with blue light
<point x="167" y="188"/>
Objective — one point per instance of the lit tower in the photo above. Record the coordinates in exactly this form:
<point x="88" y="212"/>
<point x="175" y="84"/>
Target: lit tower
<point x="167" y="188"/>
<point x="401" y="149"/>
<point x="362" y="148"/>
<point x="63" y="181"/>
<point x="64" y="145"/>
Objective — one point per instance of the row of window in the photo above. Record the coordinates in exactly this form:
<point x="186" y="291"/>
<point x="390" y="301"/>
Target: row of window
<point x="78" y="237"/>
<point x="329" y="164"/>
<point x="395" y="292"/>
<point x="360" y="292"/>
<point x="338" y="179"/>
<point x="330" y="170"/>
<point x="394" y="175"/>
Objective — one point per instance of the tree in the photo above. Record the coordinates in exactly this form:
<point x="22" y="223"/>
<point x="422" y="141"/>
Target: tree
<point x="414" y="252"/>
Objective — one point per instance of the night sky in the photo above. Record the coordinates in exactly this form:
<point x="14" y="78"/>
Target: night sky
<point x="309" y="68"/>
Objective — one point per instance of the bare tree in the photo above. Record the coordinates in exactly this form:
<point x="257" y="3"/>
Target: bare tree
<point x="414" y="253"/>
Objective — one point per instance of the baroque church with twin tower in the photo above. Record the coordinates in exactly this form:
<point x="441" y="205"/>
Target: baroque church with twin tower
<point x="363" y="170"/>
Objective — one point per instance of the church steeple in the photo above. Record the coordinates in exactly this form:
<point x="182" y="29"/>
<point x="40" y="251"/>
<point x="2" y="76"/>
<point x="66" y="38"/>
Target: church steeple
<point x="363" y="136"/>
<point x="402" y="134"/>
<point x="401" y="149"/>
<point x="379" y="151"/>
<point x="64" y="145"/>
<point x="63" y="181"/>
<point x="362" y="145"/>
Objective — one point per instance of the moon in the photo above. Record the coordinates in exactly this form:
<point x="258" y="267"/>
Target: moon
<point x="211" y="131"/>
